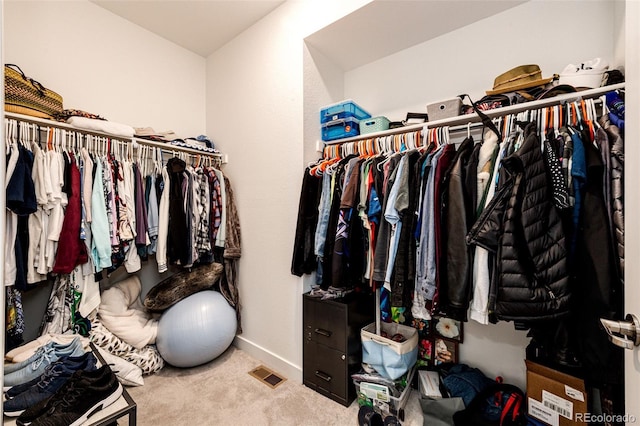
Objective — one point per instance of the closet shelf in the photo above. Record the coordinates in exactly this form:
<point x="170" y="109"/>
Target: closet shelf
<point x="474" y="118"/>
<point x="135" y="141"/>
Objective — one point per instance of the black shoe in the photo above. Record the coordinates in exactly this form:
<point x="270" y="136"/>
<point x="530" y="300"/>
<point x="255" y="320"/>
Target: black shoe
<point x="85" y="393"/>
<point x="368" y="417"/>
<point x="391" y="421"/>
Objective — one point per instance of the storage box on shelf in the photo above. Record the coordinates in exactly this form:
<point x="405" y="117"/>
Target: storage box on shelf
<point x="340" y="128"/>
<point x="444" y="109"/>
<point x="341" y="120"/>
<point x="332" y="349"/>
<point x="344" y="109"/>
<point x="375" y="124"/>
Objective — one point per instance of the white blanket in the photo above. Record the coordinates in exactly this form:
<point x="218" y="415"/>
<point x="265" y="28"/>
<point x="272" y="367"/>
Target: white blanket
<point x="102" y="126"/>
<point x="122" y="312"/>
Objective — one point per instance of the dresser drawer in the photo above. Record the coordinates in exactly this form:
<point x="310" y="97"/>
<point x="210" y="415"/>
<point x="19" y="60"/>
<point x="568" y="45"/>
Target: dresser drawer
<point x="325" y="371"/>
<point x="325" y="322"/>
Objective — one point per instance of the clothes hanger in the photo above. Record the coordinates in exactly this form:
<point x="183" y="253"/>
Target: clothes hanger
<point x="11" y="135"/>
<point x="594" y="113"/>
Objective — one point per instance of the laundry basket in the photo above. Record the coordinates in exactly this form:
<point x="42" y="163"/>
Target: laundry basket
<point x="381" y="397"/>
<point x="391" y="359"/>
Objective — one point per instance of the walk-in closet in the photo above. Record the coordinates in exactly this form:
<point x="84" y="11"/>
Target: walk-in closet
<point x="257" y="96"/>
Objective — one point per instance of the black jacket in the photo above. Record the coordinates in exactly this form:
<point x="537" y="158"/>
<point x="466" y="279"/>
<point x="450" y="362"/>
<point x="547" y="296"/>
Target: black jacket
<point x="458" y="214"/>
<point x="524" y="230"/>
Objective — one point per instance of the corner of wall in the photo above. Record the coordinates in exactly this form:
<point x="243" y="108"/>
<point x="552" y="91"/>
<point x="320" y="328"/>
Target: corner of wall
<point x="272" y="360"/>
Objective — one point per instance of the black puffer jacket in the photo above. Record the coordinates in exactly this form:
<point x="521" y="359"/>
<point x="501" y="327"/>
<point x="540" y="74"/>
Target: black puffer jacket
<point x="524" y="230"/>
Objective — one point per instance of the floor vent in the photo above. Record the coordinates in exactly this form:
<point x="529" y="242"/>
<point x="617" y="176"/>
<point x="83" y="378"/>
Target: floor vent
<point x="267" y="376"/>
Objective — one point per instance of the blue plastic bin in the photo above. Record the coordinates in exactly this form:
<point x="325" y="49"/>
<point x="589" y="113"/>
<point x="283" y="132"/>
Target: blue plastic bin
<point x="341" y="128"/>
<point x="342" y="110"/>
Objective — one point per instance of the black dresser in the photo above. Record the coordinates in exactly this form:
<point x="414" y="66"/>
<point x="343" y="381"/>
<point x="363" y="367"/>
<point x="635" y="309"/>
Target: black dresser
<point x="332" y="347"/>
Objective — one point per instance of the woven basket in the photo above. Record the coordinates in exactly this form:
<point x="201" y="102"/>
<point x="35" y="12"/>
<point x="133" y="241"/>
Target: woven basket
<point x="24" y="95"/>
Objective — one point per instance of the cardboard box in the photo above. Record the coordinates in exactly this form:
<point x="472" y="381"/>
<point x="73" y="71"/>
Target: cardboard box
<point x="555" y="398"/>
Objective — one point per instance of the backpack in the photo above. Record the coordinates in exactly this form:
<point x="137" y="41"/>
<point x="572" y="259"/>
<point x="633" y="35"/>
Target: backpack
<point x="463" y="381"/>
<point x="499" y="404"/>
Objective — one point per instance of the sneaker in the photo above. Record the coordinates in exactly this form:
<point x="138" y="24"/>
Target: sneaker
<point x="71" y="363"/>
<point x="85" y="393"/>
<point x="51" y="346"/>
<point x="36" y="367"/>
<point x="56" y="375"/>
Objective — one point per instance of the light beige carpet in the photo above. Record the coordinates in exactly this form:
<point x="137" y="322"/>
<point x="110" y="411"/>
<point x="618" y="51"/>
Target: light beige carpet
<point x="223" y="393"/>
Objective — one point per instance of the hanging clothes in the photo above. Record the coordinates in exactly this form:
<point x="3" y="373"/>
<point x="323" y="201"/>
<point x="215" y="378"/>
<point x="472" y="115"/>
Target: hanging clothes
<point x="100" y="230"/>
<point x="458" y="212"/>
<point x="347" y="251"/>
<point x="163" y="223"/>
<point x="403" y="277"/>
<point x="596" y="276"/>
<point x="232" y="253"/>
<point x="304" y="258"/>
<point x="617" y="187"/>
<point x="526" y="202"/>
<point x="21" y="202"/>
<point x="36" y="263"/>
<point x="71" y="249"/>
<point x="177" y="249"/>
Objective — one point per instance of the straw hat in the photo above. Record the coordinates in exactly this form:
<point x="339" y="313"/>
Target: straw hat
<point x="518" y="78"/>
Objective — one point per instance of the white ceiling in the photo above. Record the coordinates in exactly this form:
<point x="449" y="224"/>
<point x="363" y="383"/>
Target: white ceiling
<point x="376" y="30"/>
<point x="201" y="26"/>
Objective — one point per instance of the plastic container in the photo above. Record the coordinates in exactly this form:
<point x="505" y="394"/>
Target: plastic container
<point x="375" y="124"/>
<point x="382" y="400"/>
<point x="341" y="128"/>
<point x="390" y="358"/>
<point x="342" y="110"/>
<point x="444" y="109"/>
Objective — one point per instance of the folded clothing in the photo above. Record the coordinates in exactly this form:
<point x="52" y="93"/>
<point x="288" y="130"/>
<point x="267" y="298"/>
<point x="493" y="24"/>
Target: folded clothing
<point x="102" y="126"/>
<point x="121" y="311"/>
<point x="67" y="113"/>
<point x="149" y="133"/>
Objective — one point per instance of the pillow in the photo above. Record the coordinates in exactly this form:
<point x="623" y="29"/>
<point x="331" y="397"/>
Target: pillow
<point x="182" y="284"/>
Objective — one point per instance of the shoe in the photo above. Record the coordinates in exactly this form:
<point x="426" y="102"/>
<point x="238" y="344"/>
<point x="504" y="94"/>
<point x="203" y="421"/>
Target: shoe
<point x="56" y="375"/>
<point x="391" y="421"/>
<point x="47" y="348"/>
<point x="368" y="417"/>
<point x="36" y="367"/>
<point x="71" y="363"/>
<point x="85" y="393"/>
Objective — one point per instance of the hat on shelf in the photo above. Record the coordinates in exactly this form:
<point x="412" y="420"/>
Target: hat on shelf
<point x="588" y="74"/>
<point x="518" y="78"/>
<point x="560" y="89"/>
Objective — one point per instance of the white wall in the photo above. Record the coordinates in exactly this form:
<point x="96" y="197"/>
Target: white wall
<point x="104" y="64"/>
<point x="254" y="113"/>
<point x="469" y="59"/>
